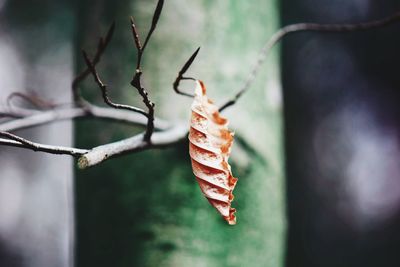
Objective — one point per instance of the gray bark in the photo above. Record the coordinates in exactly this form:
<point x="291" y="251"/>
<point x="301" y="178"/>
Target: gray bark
<point x="36" y="192"/>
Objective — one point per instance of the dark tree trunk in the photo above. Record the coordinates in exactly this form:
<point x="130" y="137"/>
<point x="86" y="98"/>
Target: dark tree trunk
<point x="342" y="107"/>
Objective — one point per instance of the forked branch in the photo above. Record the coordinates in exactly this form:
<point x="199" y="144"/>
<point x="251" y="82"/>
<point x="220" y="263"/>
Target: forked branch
<point x="101" y="47"/>
<point x="104" y="91"/>
<point x="168" y="133"/>
<point x="136" y="80"/>
<point x="180" y="76"/>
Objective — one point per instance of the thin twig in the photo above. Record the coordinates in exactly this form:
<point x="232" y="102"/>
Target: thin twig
<point x="6" y="114"/>
<point x="134" y="144"/>
<point x="17" y="141"/>
<point x="150" y="106"/>
<point x="167" y="136"/>
<point x="136" y="80"/>
<point x="183" y="71"/>
<point x="28" y="119"/>
<point x="32" y="99"/>
<point x="301" y="27"/>
<point x="101" y="47"/>
<point x="153" y="26"/>
<point x="135" y="34"/>
<point x="96" y="155"/>
<point x="104" y="91"/>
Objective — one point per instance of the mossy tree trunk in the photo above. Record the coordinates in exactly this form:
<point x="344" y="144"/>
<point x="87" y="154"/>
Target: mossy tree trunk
<point x="146" y="209"/>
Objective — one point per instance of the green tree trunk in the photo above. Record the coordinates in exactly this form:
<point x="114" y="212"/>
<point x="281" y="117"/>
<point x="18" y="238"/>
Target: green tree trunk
<point x="146" y="209"/>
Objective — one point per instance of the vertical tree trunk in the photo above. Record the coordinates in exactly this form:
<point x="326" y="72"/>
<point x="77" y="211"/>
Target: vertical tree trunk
<point x="341" y="95"/>
<point x="146" y="209"/>
<point x="36" y="197"/>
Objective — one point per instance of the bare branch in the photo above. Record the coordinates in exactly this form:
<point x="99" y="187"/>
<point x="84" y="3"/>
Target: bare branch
<point x="136" y="80"/>
<point x="150" y="105"/>
<point x="133" y="144"/>
<point x="99" y="154"/>
<point x="168" y="135"/>
<point x="16" y="141"/>
<point x="146" y="140"/>
<point x="7" y="114"/>
<point x="103" y="89"/>
<point x="101" y="47"/>
<point x="135" y="35"/>
<point x="28" y="119"/>
<point x="96" y="155"/>
<point x="32" y="98"/>
<point x="301" y="27"/>
<point x="183" y="71"/>
<point x="153" y="26"/>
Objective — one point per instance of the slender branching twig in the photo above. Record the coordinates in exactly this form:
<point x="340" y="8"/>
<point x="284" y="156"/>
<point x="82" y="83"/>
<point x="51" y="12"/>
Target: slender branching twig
<point x="23" y="119"/>
<point x="101" y="47"/>
<point x="156" y="17"/>
<point x="14" y="140"/>
<point x="136" y="80"/>
<point x="96" y="155"/>
<point x="168" y="133"/>
<point x="180" y="76"/>
<point x="104" y="91"/>
<point x="302" y="27"/>
<point x="32" y="98"/>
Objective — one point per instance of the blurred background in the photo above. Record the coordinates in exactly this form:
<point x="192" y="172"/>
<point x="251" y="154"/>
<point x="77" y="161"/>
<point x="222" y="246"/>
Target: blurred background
<point x="342" y="141"/>
<point x="317" y="149"/>
<point x="36" y="196"/>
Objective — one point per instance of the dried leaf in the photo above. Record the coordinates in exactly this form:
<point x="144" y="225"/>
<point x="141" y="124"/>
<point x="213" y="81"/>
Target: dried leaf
<point x="209" y="148"/>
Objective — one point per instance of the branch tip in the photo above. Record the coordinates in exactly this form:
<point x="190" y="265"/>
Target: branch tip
<point x="157" y="13"/>
<point x="303" y="27"/>
<point x="101" y="47"/>
<point x="135" y="34"/>
<point x="154" y="22"/>
<point x="183" y="71"/>
<point x="83" y="162"/>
